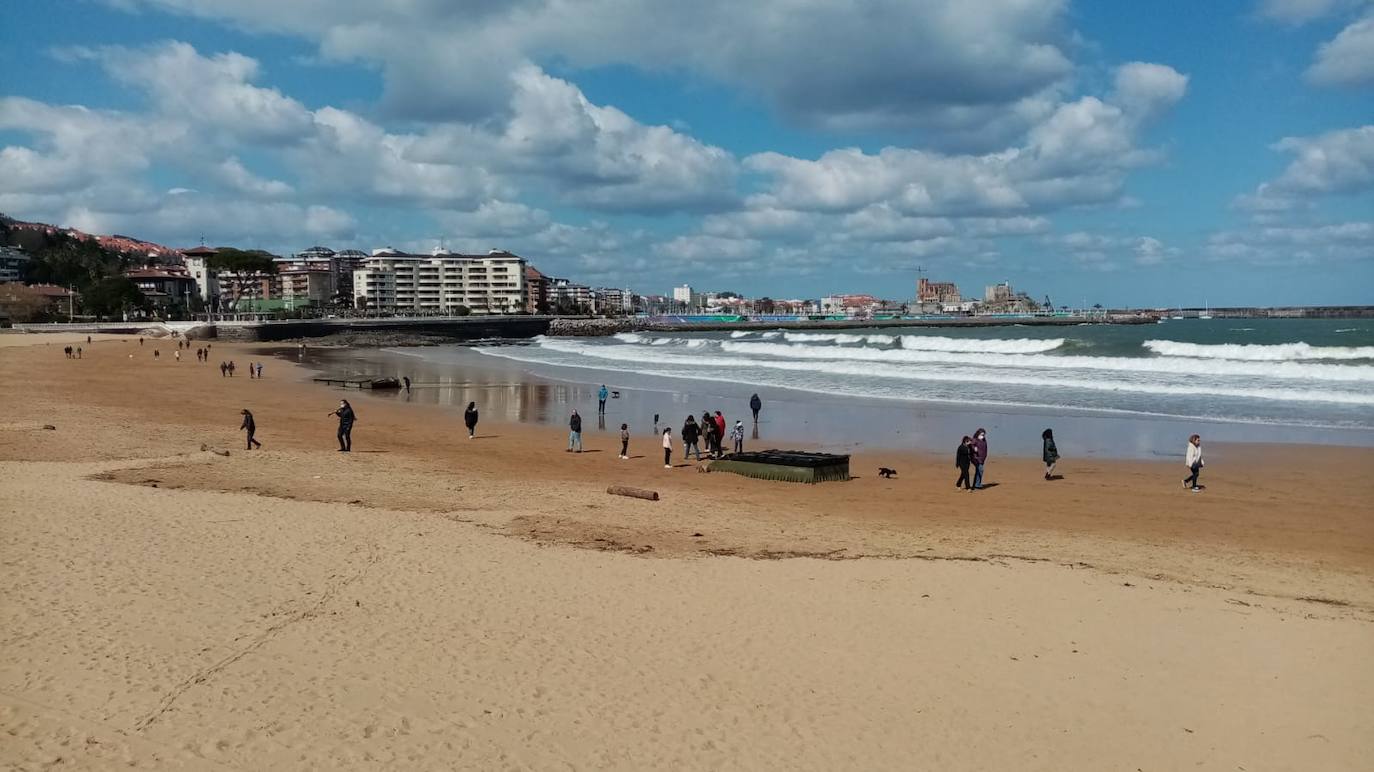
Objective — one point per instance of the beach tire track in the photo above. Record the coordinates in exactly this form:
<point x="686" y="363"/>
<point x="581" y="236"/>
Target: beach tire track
<point x="370" y="558"/>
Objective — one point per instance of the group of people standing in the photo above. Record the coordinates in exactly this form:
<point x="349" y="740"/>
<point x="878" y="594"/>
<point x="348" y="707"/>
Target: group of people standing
<point x="710" y="432"/>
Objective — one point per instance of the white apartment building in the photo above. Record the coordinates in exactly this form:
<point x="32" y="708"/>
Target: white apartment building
<point x="401" y="283"/>
<point x="687" y="296"/>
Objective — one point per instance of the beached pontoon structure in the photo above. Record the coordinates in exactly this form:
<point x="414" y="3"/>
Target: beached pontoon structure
<point x="440" y="283"/>
<point x="786" y="465"/>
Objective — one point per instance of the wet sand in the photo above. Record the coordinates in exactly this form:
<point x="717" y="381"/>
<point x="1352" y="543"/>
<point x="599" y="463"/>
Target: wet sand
<point x="436" y="602"/>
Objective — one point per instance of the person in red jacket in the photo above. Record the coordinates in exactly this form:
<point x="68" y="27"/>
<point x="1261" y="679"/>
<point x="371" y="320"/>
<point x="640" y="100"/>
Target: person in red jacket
<point x="720" y="433"/>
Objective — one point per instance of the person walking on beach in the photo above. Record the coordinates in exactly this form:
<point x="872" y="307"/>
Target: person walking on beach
<point x="575" y="432"/>
<point x="690" y="434"/>
<point x="249" y="426"/>
<point x="667" y="447"/>
<point x="140" y="341"/>
<point x="78" y="352"/>
<point x="755" y="404"/>
<point x="223" y="369"/>
<point x="259" y="366"/>
<point x="624" y="441"/>
<point x="980" y="456"/>
<point x="88" y="340"/>
<point x="250" y="371"/>
<point x="157" y="354"/>
<point x="737" y="434"/>
<point x="346" y="418"/>
<point x="963" y="458"/>
<point x="231" y="368"/>
<point x="1049" y="453"/>
<point x="406" y="380"/>
<point x="601" y="396"/>
<point x="720" y="434"/>
<point x="1192" y="459"/>
<point x="707" y="427"/>
<point x="470" y="419"/>
<point x="177" y="353"/>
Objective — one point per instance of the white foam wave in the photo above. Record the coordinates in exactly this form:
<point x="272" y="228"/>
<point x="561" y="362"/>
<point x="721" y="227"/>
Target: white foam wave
<point x="1170" y="367"/>
<point x="981" y="345"/>
<point x="629" y="337"/>
<point x="861" y="367"/>
<point x="1246" y="352"/>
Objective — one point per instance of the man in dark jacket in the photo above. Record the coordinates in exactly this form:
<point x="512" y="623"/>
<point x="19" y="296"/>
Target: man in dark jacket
<point x="755" y="404"/>
<point x="575" y="432"/>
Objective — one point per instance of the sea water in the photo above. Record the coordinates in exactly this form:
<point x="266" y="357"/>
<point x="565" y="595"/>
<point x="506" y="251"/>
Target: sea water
<point x="1284" y="372"/>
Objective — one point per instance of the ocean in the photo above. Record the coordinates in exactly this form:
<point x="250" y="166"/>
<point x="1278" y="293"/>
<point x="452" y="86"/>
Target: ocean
<point x="1283" y="372"/>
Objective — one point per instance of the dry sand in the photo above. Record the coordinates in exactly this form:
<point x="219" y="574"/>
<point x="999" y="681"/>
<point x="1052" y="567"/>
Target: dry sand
<point x="434" y="602"/>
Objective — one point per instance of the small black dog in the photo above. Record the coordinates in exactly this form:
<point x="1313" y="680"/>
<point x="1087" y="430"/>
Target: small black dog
<point x="885" y="472"/>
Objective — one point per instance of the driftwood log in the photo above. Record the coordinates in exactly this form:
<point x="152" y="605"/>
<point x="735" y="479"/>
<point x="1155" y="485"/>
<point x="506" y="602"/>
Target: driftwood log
<point x="638" y="493"/>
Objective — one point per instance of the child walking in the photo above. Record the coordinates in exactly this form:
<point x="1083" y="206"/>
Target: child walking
<point x="668" y="447"/>
<point x="624" y="441"/>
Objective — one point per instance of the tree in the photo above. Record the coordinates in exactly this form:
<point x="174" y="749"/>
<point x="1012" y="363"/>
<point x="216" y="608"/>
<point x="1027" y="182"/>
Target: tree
<point x="113" y="295"/>
<point x="24" y="304"/>
<point x="244" y="261"/>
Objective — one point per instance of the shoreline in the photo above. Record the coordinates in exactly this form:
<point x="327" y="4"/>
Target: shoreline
<point x="428" y="599"/>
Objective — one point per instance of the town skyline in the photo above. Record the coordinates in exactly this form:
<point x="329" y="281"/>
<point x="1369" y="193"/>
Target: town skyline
<point x="1169" y="156"/>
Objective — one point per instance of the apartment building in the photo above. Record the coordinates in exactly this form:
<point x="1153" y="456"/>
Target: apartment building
<point x="568" y="296"/>
<point x="439" y="283"/>
<point x="13" y="263"/>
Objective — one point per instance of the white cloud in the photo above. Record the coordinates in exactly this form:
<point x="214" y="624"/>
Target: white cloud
<point x="1303" y="11"/>
<point x="948" y="66"/>
<point x="215" y="92"/>
<point x="1079" y="154"/>
<point x="1338" y="162"/>
<point x="1348" y="59"/>
<point x="601" y="158"/>
<point x="1296" y="244"/>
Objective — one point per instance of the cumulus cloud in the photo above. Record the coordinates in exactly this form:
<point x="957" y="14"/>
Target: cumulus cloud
<point x="948" y="66"/>
<point x="1079" y="154"/>
<point x="1338" y="162"/>
<point x="1348" y="59"/>
<point x="214" y="91"/>
<point x="1286" y="244"/>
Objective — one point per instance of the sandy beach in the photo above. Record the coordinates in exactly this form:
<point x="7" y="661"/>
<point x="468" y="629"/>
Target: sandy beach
<point x="434" y="602"/>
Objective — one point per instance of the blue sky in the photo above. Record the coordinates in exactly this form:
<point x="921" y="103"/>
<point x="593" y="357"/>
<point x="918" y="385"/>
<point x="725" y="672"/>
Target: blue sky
<point x="1165" y="153"/>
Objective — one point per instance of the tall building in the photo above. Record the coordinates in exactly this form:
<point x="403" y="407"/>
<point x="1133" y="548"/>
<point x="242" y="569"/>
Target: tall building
<point x="687" y="296"/>
<point x="536" y="291"/>
<point x="197" y="261"/>
<point x="398" y="282"/>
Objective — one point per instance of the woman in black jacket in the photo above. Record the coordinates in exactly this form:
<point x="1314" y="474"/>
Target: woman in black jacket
<point x="690" y="434"/>
<point x="249" y="426"/>
<point x="963" y="458"/>
<point x="346" y="418"/>
<point x="470" y="419"/>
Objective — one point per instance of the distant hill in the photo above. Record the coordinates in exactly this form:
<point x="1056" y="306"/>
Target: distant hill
<point x="32" y="237"/>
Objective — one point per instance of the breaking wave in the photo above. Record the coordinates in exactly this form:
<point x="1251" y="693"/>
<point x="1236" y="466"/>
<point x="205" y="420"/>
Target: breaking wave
<point x="1244" y="352"/>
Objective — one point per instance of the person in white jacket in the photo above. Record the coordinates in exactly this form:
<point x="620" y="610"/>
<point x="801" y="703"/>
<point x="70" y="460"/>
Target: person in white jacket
<point x="668" y="448"/>
<point x="1193" y="460"/>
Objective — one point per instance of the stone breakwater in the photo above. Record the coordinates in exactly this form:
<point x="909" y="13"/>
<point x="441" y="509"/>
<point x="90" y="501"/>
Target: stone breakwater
<point x="586" y="328"/>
